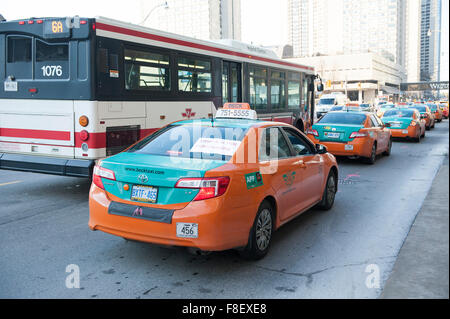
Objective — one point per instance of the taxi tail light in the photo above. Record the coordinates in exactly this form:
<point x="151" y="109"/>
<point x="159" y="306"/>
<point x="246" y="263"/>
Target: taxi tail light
<point x="209" y="187"/>
<point x="413" y="123"/>
<point x="312" y="132"/>
<point x="358" y="134"/>
<point x="99" y="173"/>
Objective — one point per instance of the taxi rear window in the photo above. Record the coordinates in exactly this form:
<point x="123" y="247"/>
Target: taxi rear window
<point x="343" y="118"/>
<point x="192" y="141"/>
<point x="399" y="113"/>
<point x="420" y="108"/>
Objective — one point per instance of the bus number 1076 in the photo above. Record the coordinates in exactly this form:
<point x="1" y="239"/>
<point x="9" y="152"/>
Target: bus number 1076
<point x="51" y="70"/>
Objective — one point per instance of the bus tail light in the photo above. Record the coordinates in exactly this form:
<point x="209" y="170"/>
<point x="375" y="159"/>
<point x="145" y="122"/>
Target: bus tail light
<point x="358" y="134"/>
<point x="21" y="22"/>
<point x="99" y="173"/>
<point x="40" y="21"/>
<point x="84" y="135"/>
<point x="208" y="187"/>
<point x="312" y="132"/>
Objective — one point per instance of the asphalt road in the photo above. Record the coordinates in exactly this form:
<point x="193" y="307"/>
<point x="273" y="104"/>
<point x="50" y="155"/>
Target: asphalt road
<point x="43" y="229"/>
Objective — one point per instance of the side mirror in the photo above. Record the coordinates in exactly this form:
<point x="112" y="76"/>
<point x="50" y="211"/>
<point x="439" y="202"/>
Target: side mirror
<point x="320" y="87"/>
<point x="321" y="149"/>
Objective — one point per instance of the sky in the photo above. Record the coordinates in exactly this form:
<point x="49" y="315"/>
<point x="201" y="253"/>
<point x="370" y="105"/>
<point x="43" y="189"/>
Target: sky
<point x="264" y="22"/>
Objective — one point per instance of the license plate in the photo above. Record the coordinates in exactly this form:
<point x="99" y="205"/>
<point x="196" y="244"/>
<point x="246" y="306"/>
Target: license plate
<point x="10" y="86"/>
<point x="349" y="147"/>
<point x="187" y="230"/>
<point x="333" y="135"/>
<point x="405" y="131"/>
<point x="147" y="194"/>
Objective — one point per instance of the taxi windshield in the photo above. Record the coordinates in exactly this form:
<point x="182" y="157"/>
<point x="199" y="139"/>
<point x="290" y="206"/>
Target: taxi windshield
<point x="399" y="113"/>
<point x="419" y="108"/>
<point x="192" y="141"/>
<point x="327" y="101"/>
<point x="343" y="118"/>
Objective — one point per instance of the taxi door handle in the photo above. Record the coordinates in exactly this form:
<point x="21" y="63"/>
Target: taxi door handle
<point x="301" y="164"/>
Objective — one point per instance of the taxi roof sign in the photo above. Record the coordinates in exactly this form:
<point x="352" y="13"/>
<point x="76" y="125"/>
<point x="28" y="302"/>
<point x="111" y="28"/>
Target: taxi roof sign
<point x="236" y="106"/>
<point x="236" y="111"/>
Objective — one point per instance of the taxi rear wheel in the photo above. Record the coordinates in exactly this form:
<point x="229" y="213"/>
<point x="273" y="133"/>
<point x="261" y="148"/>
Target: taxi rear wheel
<point x="389" y="148"/>
<point x="373" y="155"/>
<point x="261" y="233"/>
<point x="329" y="193"/>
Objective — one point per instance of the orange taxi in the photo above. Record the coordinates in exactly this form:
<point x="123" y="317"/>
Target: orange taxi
<point x="213" y="184"/>
<point x="352" y="134"/>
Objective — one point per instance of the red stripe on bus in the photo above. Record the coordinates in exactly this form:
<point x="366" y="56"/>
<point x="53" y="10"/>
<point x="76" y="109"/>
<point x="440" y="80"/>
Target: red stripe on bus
<point x="37" y="134"/>
<point x="140" y="34"/>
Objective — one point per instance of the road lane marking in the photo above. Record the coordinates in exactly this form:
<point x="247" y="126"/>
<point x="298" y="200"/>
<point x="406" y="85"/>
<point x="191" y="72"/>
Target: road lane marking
<point x="10" y="183"/>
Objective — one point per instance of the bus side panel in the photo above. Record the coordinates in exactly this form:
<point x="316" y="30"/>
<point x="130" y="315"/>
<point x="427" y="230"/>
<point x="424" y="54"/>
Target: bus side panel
<point x="37" y="127"/>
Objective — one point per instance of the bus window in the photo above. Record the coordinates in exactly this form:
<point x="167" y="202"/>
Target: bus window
<point x="304" y="106"/>
<point x="235" y="82"/>
<point x="146" y="70"/>
<point x="277" y="90"/>
<point x="19" y="57"/>
<point x="258" y="88"/>
<point x="51" y="60"/>
<point x="294" y="91"/>
<point x="194" y="75"/>
<point x="225" y="77"/>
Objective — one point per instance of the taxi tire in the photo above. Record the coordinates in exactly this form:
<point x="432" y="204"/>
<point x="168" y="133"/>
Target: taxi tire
<point x="388" y="151"/>
<point x="373" y="155"/>
<point x="252" y="251"/>
<point x="326" y="202"/>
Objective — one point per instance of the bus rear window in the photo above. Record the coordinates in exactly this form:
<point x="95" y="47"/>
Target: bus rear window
<point x="19" y="49"/>
<point x="51" y="52"/>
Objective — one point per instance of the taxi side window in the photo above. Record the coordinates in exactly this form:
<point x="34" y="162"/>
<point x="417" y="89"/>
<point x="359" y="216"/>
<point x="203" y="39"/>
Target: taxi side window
<point x="299" y="145"/>
<point x="374" y="121"/>
<point x="379" y="121"/>
<point x="273" y="145"/>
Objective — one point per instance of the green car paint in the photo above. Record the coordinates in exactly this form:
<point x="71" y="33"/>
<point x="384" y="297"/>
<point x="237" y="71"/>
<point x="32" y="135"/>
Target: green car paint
<point x="253" y="180"/>
<point x="336" y="132"/>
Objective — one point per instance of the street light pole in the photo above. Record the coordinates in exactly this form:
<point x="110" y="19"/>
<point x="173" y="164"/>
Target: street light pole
<point x="164" y="4"/>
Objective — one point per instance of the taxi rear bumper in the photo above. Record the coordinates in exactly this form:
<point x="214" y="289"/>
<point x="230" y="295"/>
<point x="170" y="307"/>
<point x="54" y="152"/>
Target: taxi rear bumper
<point x="410" y="132"/>
<point x="361" y="146"/>
<point x="217" y="230"/>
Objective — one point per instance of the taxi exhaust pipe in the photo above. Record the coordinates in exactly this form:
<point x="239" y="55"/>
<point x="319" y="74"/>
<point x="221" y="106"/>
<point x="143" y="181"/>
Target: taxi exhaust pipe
<point x="197" y="252"/>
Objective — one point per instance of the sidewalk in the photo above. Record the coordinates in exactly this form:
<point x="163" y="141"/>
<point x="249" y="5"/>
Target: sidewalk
<point x="422" y="266"/>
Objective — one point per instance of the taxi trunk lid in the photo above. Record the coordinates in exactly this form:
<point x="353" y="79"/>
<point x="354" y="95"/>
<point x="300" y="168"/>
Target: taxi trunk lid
<point x="398" y="122"/>
<point x="159" y="172"/>
<point x="336" y="132"/>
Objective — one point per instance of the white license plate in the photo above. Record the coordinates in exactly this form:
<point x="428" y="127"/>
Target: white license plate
<point x="349" y="147"/>
<point x="10" y="86"/>
<point x="333" y="135"/>
<point x="405" y="131"/>
<point x="187" y="230"/>
<point x="144" y="194"/>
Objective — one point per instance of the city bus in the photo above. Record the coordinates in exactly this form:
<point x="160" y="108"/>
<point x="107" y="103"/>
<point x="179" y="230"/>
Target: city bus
<point x="79" y="89"/>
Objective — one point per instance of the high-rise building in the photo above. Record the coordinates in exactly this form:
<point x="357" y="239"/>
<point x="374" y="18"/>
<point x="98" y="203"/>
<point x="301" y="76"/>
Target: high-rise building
<point x="202" y="19"/>
<point x="413" y="36"/>
<point x="348" y="27"/>
<point x="430" y="40"/>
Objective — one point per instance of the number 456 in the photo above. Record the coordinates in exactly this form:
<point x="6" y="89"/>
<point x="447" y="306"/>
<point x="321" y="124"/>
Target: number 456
<point x="51" y="70"/>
